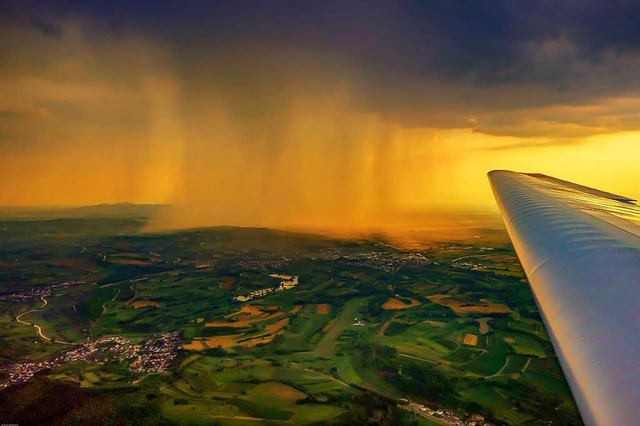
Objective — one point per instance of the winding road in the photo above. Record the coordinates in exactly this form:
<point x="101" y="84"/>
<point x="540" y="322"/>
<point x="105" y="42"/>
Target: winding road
<point x="104" y="305"/>
<point x="36" y="326"/>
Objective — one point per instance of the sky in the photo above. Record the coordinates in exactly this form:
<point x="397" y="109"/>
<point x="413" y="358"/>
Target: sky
<point x="314" y="113"/>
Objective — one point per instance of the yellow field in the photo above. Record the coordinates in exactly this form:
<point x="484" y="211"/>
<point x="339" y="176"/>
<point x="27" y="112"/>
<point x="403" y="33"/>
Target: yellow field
<point x="470" y="339"/>
<point x="195" y="345"/>
<point x="323" y="308"/>
<point x="328" y="326"/>
<point x="144" y="303"/>
<point x="277" y="326"/>
<point x="245" y="311"/>
<point x="270" y="333"/>
<point x="246" y="316"/>
<point x="296" y="309"/>
<point x="465" y="307"/>
<point x="227" y="341"/>
<point x="129" y="261"/>
<point x="399" y="304"/>
<point x="484" y="325"/>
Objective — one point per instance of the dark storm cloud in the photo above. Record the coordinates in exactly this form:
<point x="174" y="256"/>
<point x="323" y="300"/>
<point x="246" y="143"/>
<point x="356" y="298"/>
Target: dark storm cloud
<point x="603" y="25"/>
<point x="339" y="109"/>
<point x="433" y="63"/>
<point x="485" y="39"/>
<point x="481" y="40"/>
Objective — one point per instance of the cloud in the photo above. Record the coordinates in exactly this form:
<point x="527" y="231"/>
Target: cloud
<point x="282" y="112"/>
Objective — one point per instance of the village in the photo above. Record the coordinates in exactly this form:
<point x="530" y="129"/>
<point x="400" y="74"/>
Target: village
<point x="288" y="282"/>
<point x="445" y="416"/>
<point x="386" y="261"/>
<point x="36" y="293"/>
<point x="154" y="355"/>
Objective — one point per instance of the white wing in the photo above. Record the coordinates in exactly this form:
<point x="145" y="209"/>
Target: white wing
<point x="580" y="249"/>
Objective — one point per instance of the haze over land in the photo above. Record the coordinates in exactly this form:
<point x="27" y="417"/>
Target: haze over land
<point x="282" y="115"/>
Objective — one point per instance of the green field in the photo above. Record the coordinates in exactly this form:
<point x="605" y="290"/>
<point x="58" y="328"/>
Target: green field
<point x="516" y="364"/>
<point x="463" y="355"/>
<point x="492" y="398"/>
<point x="490" y="362"/>
<point x="327" y="347"/>
<point x="316" y="367"/>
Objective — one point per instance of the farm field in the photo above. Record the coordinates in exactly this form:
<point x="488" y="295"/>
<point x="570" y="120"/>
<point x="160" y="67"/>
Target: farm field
<point x="276" y="327"/>
<point x="397" y="303"/>
<point x="252" y="389"/>
<point x="462" y="307"/>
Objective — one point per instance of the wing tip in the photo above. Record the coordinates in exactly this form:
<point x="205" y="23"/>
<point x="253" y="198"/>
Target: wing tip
<point x="503" y="171"/>
<point x="498" y="172"/>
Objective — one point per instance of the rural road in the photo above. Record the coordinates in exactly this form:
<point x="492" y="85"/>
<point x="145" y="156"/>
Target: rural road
<point x="32" y="310"/>
<point x="36" y="326"/>
<point x="467" y="257"/>
<point x="104" y="305"/>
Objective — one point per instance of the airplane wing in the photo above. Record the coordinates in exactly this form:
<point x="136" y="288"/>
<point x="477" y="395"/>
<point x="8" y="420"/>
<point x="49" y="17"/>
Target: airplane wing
<point x="580" y="250"/>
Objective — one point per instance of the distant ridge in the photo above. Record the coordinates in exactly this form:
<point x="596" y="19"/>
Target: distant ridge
<point x="122" y="209"/>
